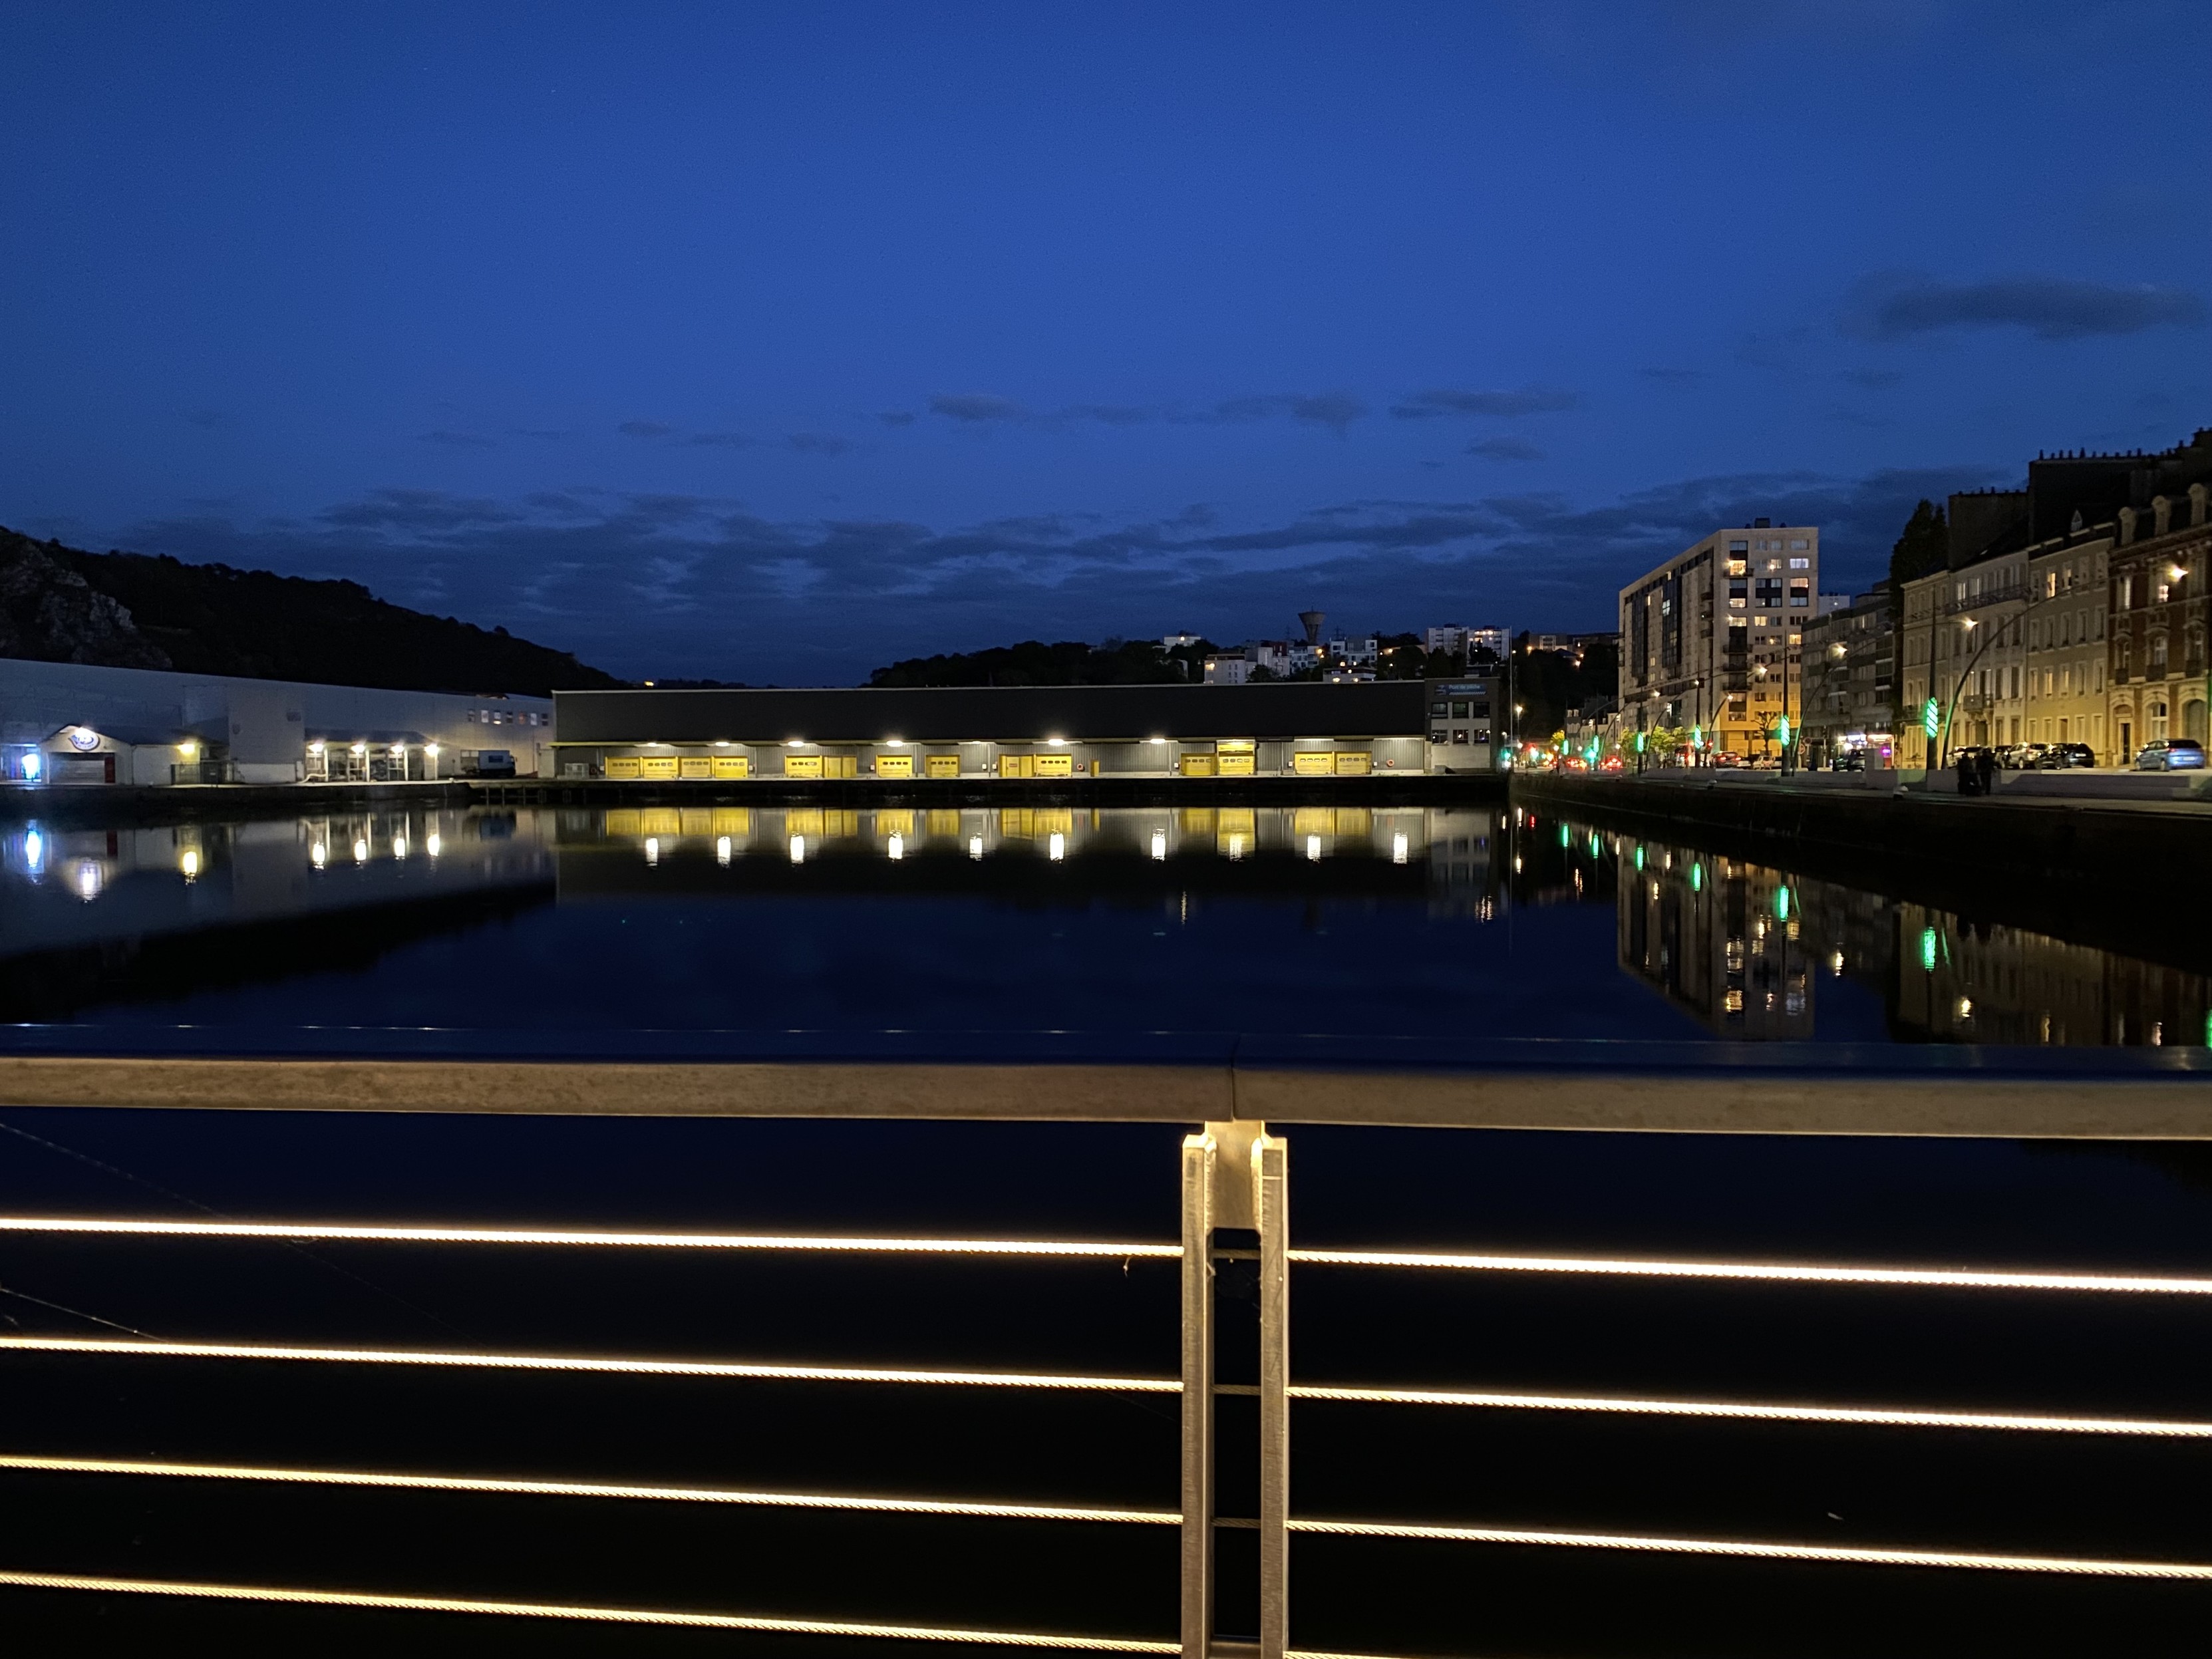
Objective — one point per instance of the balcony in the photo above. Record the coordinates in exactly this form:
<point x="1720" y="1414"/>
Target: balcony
<point x="1238" y="1401"/>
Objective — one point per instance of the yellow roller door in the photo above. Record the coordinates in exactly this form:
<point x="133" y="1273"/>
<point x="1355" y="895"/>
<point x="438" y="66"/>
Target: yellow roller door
<point x="802" y="766"/>
<point x="656" y="766"/>
<point x="1354" y="762"/>
<point x="1055" y="766"/>
<point x="622" y="766"/>
<point x="1313" y="763"/>
<point x="1198" y="766"/>
<point x="895" y="765"/>
<point x="732" y="766"/>
<point x="944" y="766"/>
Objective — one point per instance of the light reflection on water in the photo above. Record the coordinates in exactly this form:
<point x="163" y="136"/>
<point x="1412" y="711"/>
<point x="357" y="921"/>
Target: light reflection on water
<point x="1464" y="923"/>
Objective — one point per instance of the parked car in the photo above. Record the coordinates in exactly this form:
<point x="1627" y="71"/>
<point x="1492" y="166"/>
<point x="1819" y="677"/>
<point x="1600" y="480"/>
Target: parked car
<point x="1726" y="758"/>
<point x="2171" y="755"/>
<point x="2019" y="757"/>
<point x="1852" y="760"/>
<point x="2062" y="757"/>
<point x="1610" y="763"/>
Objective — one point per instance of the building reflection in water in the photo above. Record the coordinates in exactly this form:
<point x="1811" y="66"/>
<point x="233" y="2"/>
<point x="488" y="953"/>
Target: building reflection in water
<point x="146" y="914"/>
<point x="1743" y="949"/>
<point x="1446" y="851"/>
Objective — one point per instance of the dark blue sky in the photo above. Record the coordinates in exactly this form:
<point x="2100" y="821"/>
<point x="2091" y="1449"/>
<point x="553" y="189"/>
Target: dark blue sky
<point x="773" y="342"/>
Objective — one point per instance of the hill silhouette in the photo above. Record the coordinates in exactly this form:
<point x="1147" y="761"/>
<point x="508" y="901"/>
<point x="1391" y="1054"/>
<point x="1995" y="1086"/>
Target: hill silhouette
<point x="138" y="610"/>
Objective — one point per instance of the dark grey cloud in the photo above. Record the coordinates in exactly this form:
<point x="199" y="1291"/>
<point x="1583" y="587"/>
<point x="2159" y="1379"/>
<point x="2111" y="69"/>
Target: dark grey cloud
<point x="457" y="440"/>
<point x="644" y="430"/>
<point x="644" y="584"/>
<point x="818" y="443"/>
<point x="722" y="439"/>
<point x="1110" y="414"/>
<point x="1506" y="449"/>
<point x="976" y="408"/>
<point x="545" y="433"/>
<point x="1898" y="306"/>
<point x="1527" y="400"/>
<point x="1335" y="410"/>
<point x="897" y="417"/>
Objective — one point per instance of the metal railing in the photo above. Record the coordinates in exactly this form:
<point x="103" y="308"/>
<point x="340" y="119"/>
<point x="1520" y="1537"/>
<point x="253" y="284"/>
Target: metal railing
<point x="1234" y="1176"/>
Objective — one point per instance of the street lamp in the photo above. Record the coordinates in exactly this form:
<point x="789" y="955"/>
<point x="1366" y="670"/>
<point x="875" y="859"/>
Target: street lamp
<point x="1969" y="623"/>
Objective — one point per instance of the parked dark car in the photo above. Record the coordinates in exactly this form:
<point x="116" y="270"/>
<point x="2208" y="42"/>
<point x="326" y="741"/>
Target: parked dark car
<point x="2064" y="756"/>
<point x="2171" y="755"/>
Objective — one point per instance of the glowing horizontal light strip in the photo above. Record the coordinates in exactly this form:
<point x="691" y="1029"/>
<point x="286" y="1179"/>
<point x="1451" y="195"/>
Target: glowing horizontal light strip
<point x="1785" y="1272"/>
<point x="564" y="1236"/>
<point x="367" y="1598"/>
<point x="581" y="1489"/>
<point x="1604" y="1540"/>
<point x="553" y="1362"/>
<point x="1786" y="1413"/>
<point x="328" y="1598"/>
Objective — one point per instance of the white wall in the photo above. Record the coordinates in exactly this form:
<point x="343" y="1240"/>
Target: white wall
<point x="265" y="722"/>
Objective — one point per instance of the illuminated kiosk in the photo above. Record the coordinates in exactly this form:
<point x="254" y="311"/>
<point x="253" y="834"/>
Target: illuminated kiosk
<point x="1290" y="729"/>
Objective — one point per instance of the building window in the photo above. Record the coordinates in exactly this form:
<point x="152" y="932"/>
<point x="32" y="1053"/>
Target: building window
<point x="1801" y="564"/>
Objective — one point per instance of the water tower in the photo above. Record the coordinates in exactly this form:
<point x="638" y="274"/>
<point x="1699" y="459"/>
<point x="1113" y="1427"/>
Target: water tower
<point x="1311" y="622"/>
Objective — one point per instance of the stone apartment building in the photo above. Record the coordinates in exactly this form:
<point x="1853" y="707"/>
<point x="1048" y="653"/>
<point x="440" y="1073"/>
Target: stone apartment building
<point x="2160" y="559"/>
<point x="2074" y="610"/>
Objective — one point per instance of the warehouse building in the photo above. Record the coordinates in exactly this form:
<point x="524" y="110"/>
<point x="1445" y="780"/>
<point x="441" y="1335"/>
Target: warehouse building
<point x="66" y="723"/>
<point x="1297" y="729"/>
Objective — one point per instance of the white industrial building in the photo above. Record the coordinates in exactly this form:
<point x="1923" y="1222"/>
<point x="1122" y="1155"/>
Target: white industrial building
<point x="65" y="723"/>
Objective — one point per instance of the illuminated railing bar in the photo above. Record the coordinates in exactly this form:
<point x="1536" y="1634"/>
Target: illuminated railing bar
<point x="331" y="1598"/>
<point x="1879" y="1558"/>
<point x="550" y="1361"/>
<point x="349" y="1231"/>
<point x="581" y="1489"/>
<point x="1780" y="1272"/>
<point x="367" y="1598"/>
<point x="1754" y="1409"/>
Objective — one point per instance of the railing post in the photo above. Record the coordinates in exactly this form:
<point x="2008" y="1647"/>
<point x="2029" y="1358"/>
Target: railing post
<point x="1235" y="1175"/>
<point x="1198" y="1167"/>
<point x="1271" y="1195"/>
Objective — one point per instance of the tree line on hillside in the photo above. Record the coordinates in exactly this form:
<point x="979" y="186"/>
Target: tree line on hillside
<point x="135" y="611"/>
<point x="1130" y="662"/>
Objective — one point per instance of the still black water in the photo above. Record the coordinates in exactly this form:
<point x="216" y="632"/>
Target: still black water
<point x="1090" y="934"/>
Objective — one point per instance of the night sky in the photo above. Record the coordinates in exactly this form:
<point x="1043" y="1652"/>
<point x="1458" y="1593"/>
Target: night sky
<point x="776" y="343"/>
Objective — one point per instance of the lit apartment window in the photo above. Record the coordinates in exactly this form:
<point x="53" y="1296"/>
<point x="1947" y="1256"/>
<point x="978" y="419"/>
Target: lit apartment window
<point x="1801" y="564"/>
